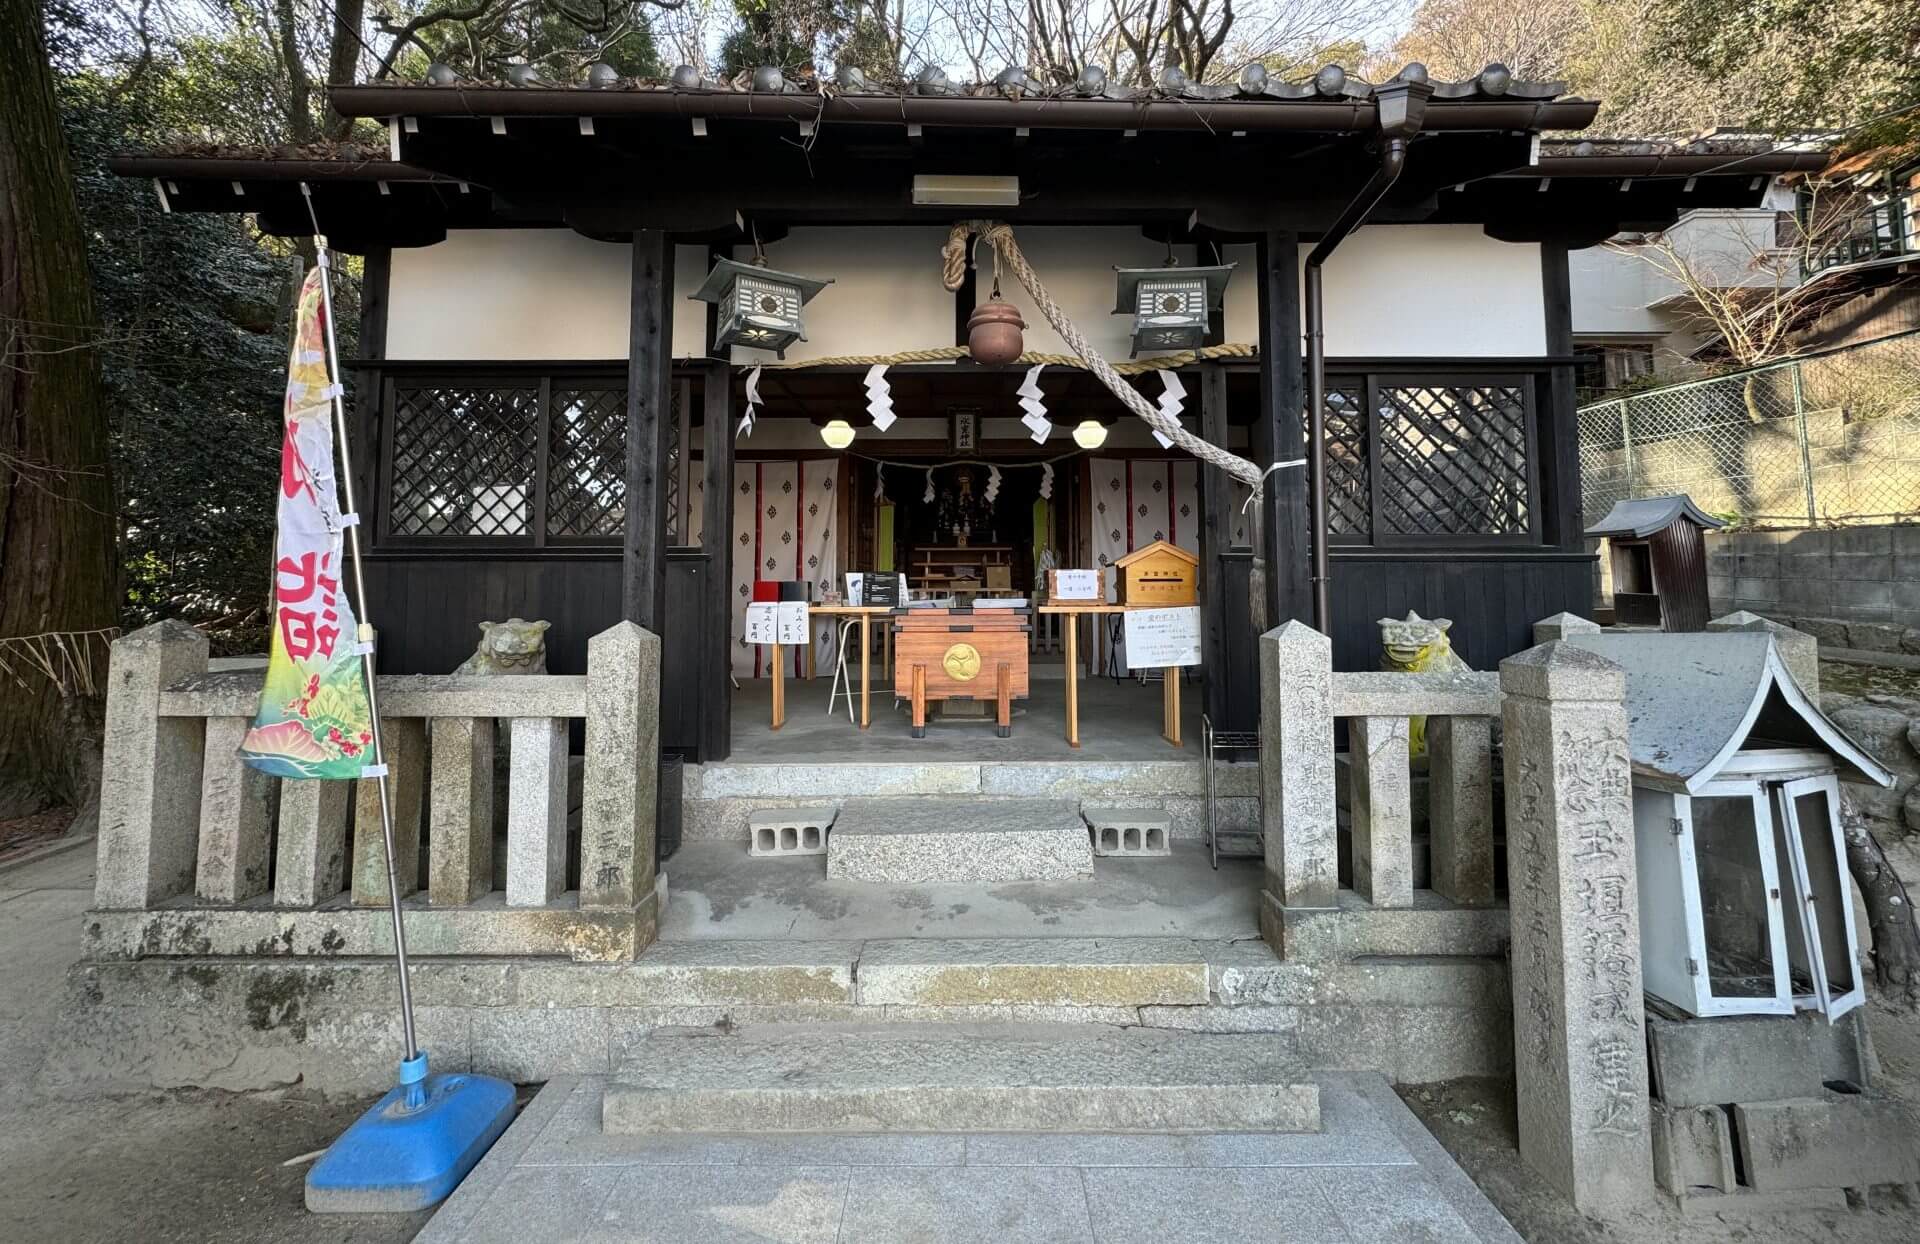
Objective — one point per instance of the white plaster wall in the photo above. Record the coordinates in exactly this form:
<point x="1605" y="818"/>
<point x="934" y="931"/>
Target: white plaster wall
<point x="1610" y="294"/>
<point x="1076" y="266"/>
<point x="528" y="294"/>
<point x="1415" y="291"/>
<point x="886" y="295"/>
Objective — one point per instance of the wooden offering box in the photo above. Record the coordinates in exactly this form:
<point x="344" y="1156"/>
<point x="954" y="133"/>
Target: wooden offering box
<point x="1159" y="574"/>
<point x="961" y="654"/>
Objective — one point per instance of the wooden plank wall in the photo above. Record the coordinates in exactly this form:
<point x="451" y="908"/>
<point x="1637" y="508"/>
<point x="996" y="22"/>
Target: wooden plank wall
<point x="1492" y="599"/>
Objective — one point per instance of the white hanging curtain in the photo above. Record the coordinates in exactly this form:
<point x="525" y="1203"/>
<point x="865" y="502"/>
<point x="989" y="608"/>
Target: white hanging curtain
<point x="785" y="527"/>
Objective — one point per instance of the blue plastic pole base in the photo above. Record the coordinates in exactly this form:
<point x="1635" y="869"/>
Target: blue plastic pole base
<point x="412" y="1149"/>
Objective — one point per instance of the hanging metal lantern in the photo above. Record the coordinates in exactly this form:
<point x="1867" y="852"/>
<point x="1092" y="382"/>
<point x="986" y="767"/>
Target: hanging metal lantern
<point x="1171" y="307"/>
<point x="759" y="307"/>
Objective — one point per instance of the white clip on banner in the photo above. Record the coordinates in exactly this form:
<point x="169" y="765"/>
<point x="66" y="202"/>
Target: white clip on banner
<point x="880" y="397"/>
<point x="1172" y="398"/>
<point x="753" y="401"/>
<point x="349" y="520"/>
<point x="1035" y="404"/>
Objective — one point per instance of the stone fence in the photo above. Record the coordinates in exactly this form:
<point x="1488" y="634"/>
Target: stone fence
<point x="1570" y="927"/>
<point x="200" y="855"/>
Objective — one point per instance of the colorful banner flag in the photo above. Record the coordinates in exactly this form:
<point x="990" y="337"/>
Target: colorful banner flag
<point x="314" y="721"/>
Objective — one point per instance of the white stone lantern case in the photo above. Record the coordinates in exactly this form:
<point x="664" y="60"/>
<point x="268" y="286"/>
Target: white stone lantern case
<point x="759" y="307"/>
<point x="1745" y="906"/>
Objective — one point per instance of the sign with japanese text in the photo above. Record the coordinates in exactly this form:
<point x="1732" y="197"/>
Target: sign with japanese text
<point x="776" y="622"/>
<point x="314" y="720"/>
<point x="1159" y="638"/>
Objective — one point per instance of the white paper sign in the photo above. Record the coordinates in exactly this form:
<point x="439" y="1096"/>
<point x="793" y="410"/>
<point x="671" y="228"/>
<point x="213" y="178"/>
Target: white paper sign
<point x="1158" y="638"/>
<point x="1076" y="585"/>
<point x="791" y="626"/>
<point x="763" y="623"/>
<point x="855" y="581"/>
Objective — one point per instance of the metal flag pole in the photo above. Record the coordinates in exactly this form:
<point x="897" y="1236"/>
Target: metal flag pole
<point x="413" y="1146"/>
<point x="364" y="635"/>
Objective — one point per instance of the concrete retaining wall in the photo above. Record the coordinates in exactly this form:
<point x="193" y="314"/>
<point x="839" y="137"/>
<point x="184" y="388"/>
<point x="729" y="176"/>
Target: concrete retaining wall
<point x="1848" y="574"/>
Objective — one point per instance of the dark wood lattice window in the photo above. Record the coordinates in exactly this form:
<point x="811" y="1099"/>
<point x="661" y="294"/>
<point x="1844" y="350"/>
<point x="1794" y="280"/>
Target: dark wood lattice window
<point x="518" y="461"/>
<point x="1349" y="490"/>
<point x="1453" y="460"/>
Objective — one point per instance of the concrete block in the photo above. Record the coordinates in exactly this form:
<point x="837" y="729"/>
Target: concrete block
<point x="1859" y="541"/>
<point x="1296" y="765"/>
<point x="1829" y="631"/>
<point x="925" y="841"/>
<point x="779" y="832"/>
<point x="1724" y="1059"/>
<point x="1745" y="1203"/>
<point x="1127" y="971"/>
<point x="236" y="810"/>
<point x="404" y="741"/>
<point x="1431" y="926"/>
<point x="310" y="865"/>
<point x="621" y="775"/>
<point x="537" y="811"/>
<point x="1830" y="1141"/>
<point x="1133" y="833"/>
<point x="460" y="869"/>
<point x="1126" y="1081"/>
<point x="1842" y="1048"/>
<point x="1692" y="1148"/>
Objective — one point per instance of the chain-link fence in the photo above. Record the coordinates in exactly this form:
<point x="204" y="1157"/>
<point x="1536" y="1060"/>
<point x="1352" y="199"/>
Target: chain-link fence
<point x="1832" y="438"/>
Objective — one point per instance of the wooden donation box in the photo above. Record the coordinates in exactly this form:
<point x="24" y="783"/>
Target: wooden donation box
<point x="1159" y="574"/>
<point x="961" y="654"/>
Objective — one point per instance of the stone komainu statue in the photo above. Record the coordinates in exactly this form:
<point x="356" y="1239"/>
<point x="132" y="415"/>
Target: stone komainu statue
<point x="515" y="646"/>
<point x="1418" y="645"/>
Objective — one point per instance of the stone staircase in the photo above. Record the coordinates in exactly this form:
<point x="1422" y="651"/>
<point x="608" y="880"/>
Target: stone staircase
<point x="928" y="841"/>
<point x="938" y="1078"/>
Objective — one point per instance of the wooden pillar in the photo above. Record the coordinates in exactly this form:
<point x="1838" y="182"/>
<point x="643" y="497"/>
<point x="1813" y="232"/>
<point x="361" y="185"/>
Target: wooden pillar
<point x="716" y="713"/>
<point x="1278" y="435"/>
<point x="1559" y="435"/>
<point x="643" y="586"/>
<point x="1216" y="534"/>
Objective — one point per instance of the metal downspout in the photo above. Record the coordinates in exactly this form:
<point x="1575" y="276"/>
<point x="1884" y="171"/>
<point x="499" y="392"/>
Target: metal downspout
<point x="1402" y="105"/>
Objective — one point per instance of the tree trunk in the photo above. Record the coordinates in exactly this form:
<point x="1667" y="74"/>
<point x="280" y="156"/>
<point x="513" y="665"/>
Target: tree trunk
<point x="1896" y="940"/>
<point x="343" y="59"/>
<point x="57" y="564"/>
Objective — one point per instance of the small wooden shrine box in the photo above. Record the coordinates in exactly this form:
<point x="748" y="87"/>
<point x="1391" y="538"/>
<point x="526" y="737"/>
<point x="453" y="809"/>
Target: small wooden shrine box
<point x="1159" y="574"/>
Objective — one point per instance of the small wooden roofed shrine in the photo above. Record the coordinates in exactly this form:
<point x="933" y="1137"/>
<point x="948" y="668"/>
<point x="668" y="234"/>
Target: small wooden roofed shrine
<point x="691" y="168"/>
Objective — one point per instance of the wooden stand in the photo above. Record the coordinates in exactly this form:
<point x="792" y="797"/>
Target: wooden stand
<point x="919" y="693"/>
<point x="779" y="686"/>
<point x="1170" y="705"/>
<point x="1170" y="691"/>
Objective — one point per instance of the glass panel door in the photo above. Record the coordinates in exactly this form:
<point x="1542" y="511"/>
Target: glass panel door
<point x="1826" y="971"/>
<point x="1745" y="967"/>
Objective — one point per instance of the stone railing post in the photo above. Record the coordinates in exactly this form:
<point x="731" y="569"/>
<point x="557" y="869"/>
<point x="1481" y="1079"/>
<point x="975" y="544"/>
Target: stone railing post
<point x="404" y="740"/>
<point x="1579" y="1024"/>
<point x="1460" y="808"/>
<point x="1561" y="625"/>
<point x="536" y="811"/>
<point x="235" y="807"/>
<point x="619" y="809"/>
<point x="1799" y="651"/>
<point x="1381" y="802"/>
<point x="461" y="802"/>
<point x="150" y="779"/>
<point x="1296" y="775"/>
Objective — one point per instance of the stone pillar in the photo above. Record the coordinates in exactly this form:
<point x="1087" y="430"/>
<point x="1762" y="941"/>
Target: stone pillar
<point x="1460" y="808"/>
<point x="1580" y="1053"/>
<point x="1296" y="775"/>
<point x="460" y="849"/>
<point x="621" y="779"/>
<point x="1381" y="799"/>
<point x="1561" y="625"/>
<point x="536" y="811"/>
<point x="235" y="804"/>
<point x="1799" y="651"/>
<point x="404" y="740"/>
<point x="150" y="771"/>
<point x="310" y="864"/>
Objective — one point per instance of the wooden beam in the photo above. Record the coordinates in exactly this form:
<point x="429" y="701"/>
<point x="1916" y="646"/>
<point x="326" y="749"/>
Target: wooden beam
<point x="1277" y="432"/>
<point x="716" y="538"/>
<point x="643" y="586"/>
<point x="1216" y="534"/>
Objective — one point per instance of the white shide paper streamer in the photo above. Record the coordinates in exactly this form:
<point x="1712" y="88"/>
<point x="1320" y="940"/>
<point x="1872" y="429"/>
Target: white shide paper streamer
<point x="1035" y="404"/>
<point x="880" y="397"/>
<point x="1172" y="397"/>
<point x="753" y="401"/>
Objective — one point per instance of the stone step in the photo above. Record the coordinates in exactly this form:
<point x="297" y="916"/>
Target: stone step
<point x="927" y="841"/>
<point x="1033" y="971"/>
<point x="963" y="1080"/>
